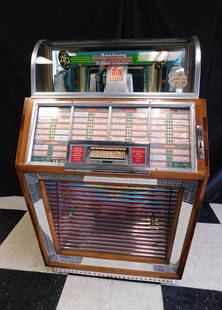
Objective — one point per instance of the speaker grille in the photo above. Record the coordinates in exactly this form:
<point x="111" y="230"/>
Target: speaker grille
<point x="112" y="218"/>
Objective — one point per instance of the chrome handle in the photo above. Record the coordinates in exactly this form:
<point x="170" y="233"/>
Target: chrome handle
<point x="200" y="142"/>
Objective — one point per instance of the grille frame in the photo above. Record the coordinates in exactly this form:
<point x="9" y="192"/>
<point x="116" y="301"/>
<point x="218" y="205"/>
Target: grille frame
<point x="106" y="253"/>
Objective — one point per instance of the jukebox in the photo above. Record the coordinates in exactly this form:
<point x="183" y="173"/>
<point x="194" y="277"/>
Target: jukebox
<point x="112" y="155"/>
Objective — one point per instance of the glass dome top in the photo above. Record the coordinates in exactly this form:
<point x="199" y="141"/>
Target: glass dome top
<point x="116" y="68"/>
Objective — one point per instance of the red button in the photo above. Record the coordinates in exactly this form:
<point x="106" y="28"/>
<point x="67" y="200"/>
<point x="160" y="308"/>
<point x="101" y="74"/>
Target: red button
<point x="138" y="156"/>
<point x="77" y="154"/>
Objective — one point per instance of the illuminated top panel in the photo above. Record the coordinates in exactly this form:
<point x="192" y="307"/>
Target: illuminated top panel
<point x="159" y="68"/>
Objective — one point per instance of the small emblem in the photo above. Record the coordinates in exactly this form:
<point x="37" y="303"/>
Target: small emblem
<point x="177" y="79"/>
<point x="64" y="60"/>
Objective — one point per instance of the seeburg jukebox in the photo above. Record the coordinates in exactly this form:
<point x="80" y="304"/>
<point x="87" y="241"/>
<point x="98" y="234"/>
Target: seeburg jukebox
<point x="112" y="155"/>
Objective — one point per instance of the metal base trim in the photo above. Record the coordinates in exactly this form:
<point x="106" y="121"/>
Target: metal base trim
<point x="114" y="276"/>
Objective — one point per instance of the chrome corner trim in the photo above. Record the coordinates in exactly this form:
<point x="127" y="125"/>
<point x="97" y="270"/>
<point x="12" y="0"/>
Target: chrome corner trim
<point x="197" y="66"/>
<point x="33" y="66"/>
<point x="31" y="135"/>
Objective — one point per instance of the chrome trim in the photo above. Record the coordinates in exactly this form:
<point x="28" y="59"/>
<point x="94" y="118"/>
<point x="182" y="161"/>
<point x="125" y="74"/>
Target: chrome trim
<point x="31" y="134"/>
<point x="71" y="122"/>
<point x="112" y="168"/>
<point x="107" y="103"/>
<point x="200" y="142"/>
<point x="120" y="42"/>
<point x="197" y="66"/>
<point x="169" y="95"/>
<point x="173" y="169"/>
<point x="149" y="123"/>
<point x="109" y="123"/>
<point x="193" y="137"/>
<point x="33" y="66"/>
<point x="45" y="163"/>
<point x="114" y="275"/>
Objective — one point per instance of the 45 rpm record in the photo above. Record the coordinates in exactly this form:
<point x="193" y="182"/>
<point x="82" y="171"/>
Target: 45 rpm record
<point x="64" y="60"/>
